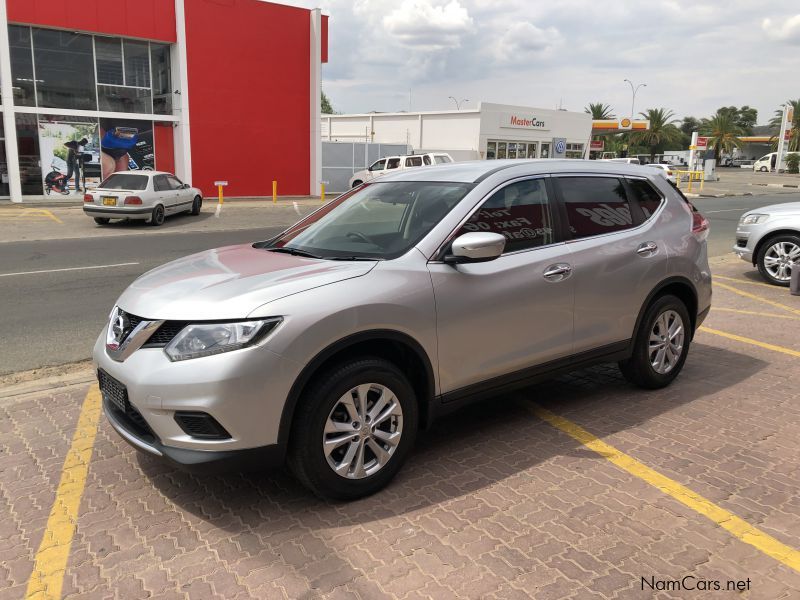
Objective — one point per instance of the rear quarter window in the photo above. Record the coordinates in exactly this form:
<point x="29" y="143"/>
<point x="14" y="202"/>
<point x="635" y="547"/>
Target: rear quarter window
<point x="645" y="196"/>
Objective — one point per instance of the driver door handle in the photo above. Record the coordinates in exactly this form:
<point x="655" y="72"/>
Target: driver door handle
<point x="647" y="249"/>
<point x="557" y="272"/>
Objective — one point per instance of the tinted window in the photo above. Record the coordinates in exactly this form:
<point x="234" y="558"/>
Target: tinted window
<point x="392" y="163"/>
<point x="426" y="159"/>
<point x="414" y="161"/>
<point x="160" y="183"/>
<point x="520" y="212"/>
<point x="378" y="166"/>
<point x="174" y="182"/>
<point x="377" y="220"/>
<point x="124" y="99"/>
<point x="64" y="69"/>
<point x="19" y="40"/>
<point x="137" y="63"/>
<point x="595" y="205"/>
<point x="125" y="181"/>
<point x="645" y="196"/>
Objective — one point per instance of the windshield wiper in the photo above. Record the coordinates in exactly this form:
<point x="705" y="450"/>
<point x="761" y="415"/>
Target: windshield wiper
<point x="293" y="252"/>
<point x="368" y="258"/>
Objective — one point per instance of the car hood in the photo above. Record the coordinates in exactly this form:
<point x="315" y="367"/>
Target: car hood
<point x="788" y="208"/>
<point x="229" y="283"/>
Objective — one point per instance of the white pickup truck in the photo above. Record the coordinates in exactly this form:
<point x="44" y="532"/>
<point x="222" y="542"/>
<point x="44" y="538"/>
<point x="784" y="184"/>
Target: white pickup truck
<point x="390" y="164"/>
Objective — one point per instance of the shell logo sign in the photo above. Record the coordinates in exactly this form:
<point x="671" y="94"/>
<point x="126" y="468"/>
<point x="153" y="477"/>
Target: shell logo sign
<point x="625" y="123"/>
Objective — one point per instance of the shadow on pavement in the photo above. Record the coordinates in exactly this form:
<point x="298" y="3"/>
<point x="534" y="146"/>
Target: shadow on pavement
<point x="472" y="449"/>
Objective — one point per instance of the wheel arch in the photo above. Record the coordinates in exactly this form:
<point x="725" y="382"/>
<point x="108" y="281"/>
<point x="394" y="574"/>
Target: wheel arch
<point x="767" y="237"/>
<point x="680" y="287"/>
<point x="395" y="346"/>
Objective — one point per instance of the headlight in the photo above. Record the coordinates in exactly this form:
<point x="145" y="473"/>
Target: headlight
<point x="204" y="339"/>
<point x="752" y="219"/>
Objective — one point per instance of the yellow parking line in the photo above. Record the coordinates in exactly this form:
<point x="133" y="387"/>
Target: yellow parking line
<point x="737" y="280"/>
<point x="50" y="215"/>
<point x="755" y="313"/>
<point x="746" y="340"/>
<point x="29" y="214"/>
<point x="730" y="288"/>
<point x="50" y="562"/>
<point x="738" y="527"/>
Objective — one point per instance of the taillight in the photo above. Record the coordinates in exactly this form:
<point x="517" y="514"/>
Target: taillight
<point x="88" y="198"/>
<point x="699" y="222"/>
<point x="133" y="200"/>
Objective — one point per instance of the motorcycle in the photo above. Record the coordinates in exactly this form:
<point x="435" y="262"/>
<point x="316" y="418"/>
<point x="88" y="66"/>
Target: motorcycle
<point x="55" y="180"/>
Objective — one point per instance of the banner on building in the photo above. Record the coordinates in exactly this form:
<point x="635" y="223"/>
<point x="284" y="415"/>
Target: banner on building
<point x="126" y="145"/>
<point x="69" y="149"/>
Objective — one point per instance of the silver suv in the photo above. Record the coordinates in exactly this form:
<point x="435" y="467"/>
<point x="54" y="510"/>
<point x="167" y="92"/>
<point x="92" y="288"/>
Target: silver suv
<point x="330" y="345"/>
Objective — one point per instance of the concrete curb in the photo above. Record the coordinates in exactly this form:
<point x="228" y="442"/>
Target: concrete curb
<point x="779" y="185"/>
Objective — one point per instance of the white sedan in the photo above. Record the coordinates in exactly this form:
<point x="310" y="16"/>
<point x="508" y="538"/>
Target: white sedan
<point x="144" y="195"/>
<point x="669" y="173"/>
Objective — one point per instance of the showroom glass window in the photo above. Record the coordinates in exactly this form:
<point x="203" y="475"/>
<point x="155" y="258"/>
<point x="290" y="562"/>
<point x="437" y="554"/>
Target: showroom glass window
<point x="162" y="78"/>
<point x="595" y="205"/>
<point x="19" y="41"/>
<point x="64" y="66"/>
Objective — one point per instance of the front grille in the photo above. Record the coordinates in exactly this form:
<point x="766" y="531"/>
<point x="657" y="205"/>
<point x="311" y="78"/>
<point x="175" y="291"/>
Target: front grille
<point x="164" y="334"/>
<point x="132" y="319"/>
<point x="201" y="425"/>
<point x="115" y="398"/>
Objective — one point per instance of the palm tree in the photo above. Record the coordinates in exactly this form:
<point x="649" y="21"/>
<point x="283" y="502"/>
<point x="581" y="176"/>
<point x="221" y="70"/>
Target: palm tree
<point x="775" y="123"/>
<point x="599" y="111"/>
<point x="662" y="130"/>
<point x="723" y="133"/>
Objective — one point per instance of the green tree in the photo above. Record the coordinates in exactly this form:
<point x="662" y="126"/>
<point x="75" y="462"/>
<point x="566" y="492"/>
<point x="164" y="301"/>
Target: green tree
<point x="325" y="105"/>
<point x="723" y="132"/>
<point x="745" y="117"/>
<point x="689" y="124"/>
<point x="775" y="124"/>
<point x="598" y="110"/>
<point x="662" y="131"/>
<point x="793" y="163"/>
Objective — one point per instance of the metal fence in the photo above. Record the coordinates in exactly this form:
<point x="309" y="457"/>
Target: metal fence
<point x="341" y="159"/>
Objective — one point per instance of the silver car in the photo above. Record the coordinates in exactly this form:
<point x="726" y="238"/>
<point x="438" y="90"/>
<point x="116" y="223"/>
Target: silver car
<point x="330" y="345"/>
<point x="769" y="238"/>
<point x="144" y="195"/>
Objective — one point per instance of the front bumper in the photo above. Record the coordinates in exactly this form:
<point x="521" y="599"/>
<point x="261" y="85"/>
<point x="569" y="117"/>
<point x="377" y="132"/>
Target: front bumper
<point x="243" y="390"/>
<point x="743" y="248"/>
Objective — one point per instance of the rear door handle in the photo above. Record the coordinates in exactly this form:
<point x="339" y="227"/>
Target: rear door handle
<point x="557" y="272"/>
<point x="647" y="248"/>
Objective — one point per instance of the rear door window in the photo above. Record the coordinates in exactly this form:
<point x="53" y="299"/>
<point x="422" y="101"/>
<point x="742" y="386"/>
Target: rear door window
<point x="392" y="163"/>
<point x="594" y="205"/>
<point x="414" y="161"/>
<point x="160" y="183"/>
<point x="645" y="196"/>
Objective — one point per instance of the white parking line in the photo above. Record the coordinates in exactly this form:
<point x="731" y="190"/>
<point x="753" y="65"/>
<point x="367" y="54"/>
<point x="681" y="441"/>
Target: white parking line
<point x="69" y="269"/>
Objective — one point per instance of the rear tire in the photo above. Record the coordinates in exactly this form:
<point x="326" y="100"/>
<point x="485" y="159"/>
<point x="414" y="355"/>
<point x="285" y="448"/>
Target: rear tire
<point x="197" y="205"/>
<point x="660" y="345"/>
<point x="157" y="218"/>
<point x="783" y="254"/>
<point x="329" y="413"/>
<point x="102" y="220"/>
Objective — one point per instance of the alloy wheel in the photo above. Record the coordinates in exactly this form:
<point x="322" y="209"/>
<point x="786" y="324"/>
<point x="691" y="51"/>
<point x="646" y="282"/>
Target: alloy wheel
<point x="362" y="431"/>
<point x="779" y="258"/>
<point x="666" y="342"/>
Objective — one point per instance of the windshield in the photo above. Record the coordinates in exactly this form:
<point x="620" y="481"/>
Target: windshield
<point x="378" y="220"/>
<point x="125" y="181"/>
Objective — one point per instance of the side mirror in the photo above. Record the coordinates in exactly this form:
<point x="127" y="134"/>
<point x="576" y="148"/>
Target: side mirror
<point x="185" y="186"/>
<point x="476" y="246"/>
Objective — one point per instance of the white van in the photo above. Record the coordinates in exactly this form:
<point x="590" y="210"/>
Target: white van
<point x="767" y="162"/>
<point x="630" y="161"/>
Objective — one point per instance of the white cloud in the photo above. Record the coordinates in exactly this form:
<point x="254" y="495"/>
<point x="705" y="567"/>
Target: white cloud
<point x="424" y="25"/>
<point x="783" y="30"/>
<point x="524" y="41"/>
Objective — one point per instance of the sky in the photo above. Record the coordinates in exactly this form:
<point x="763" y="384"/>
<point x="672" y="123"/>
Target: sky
<point x="390" y="55"/>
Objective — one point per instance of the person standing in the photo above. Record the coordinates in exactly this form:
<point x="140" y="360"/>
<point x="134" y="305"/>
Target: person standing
<point x="73" y="163"/>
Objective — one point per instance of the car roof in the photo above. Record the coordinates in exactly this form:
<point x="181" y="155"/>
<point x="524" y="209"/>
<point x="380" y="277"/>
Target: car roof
<point x="477" y="170"/>
<point x="145" y="173"/>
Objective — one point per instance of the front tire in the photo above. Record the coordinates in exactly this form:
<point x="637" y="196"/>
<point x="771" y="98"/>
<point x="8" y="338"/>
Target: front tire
<point x="353" y="429"/>
<point x="660" y="346"/>
<point x="763" y="169"/>
<point x="197" y="205"/>
<point x="157" y="218"/>
<point x="777" y="257"/>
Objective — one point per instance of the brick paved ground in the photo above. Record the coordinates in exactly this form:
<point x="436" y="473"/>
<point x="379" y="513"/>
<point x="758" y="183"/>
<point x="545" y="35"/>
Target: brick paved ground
<point x="494" y="503"/>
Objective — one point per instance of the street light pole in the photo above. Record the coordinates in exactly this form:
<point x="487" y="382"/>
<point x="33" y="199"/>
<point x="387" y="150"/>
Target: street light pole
<point x="633" y="91"/>
<point x="458" y="105"/>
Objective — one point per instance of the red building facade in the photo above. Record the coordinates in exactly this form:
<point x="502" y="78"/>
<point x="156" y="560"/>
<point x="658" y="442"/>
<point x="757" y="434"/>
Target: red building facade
<point x="210" y="89"/>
